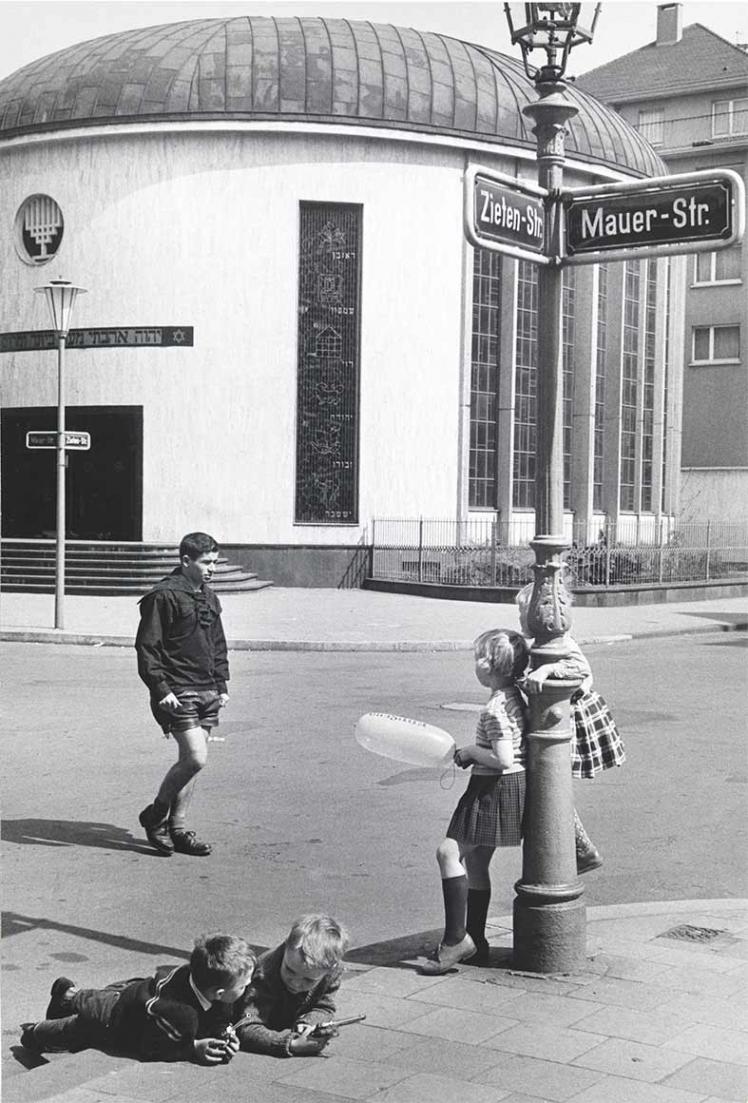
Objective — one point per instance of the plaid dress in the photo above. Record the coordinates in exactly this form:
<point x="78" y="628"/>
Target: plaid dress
<point x="596" y="744"/>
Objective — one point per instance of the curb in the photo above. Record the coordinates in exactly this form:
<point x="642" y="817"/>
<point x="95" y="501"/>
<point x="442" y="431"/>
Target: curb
<point x="60" y="636"/>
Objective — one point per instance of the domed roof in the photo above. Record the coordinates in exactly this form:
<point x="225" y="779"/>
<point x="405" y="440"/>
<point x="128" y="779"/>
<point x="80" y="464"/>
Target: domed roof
<point x="302" y="70"/>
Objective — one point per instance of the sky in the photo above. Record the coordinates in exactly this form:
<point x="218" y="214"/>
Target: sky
<point x="30" y="29"/>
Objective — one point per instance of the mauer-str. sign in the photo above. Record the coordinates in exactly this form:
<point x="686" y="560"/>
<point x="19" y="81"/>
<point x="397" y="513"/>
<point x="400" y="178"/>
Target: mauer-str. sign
<point x="683" y="213"/>
<point x="505" y="214"/>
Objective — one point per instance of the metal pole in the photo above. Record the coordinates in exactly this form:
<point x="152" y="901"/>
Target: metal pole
<point x="549" y="916"/>
<point x="60" y="526"/>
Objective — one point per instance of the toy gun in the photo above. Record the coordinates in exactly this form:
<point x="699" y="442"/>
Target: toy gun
<point x="331" y="1024"/>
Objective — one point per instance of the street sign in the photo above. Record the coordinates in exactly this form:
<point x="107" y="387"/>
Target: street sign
<point x="103" y="337"/>
<point x="77" y="442"/>
<point x="685" y="213"/>
<point x="505" y="215"/>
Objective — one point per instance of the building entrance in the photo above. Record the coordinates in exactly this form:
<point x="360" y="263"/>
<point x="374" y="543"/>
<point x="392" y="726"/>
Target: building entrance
<point x="104" y="491"/>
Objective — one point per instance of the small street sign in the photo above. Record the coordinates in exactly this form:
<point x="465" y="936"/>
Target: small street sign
<point x="104" y="337"/>
<point x="505" y="215"/>
<point x="685" y="213"/>
<point x="77" y="442"/>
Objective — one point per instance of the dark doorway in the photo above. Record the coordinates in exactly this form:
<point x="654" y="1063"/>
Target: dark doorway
<point x="103" y="497"/>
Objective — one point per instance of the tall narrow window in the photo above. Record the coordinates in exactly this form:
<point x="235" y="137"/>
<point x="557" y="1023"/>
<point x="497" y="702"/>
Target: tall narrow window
<point x="328" y="364"/>
<point x="648" y="386"/>
<point x="729" y="117"/>
<point x="601" y="361"/>
<point x="629" y="384"/>
<point x="666" y="388"/>
<point x="523" y="488"/>
<point x="652" y="125"/>
<point x="567" y="363"/>
<point x="484" y="370"/>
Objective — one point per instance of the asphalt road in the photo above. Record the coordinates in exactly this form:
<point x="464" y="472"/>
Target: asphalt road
<point x="302" y="818"/>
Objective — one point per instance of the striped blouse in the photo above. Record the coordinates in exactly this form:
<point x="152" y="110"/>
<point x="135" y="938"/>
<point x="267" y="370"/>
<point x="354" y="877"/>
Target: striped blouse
<point x="504" y="717"/>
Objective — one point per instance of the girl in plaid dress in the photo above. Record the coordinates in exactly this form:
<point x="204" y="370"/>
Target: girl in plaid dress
<point x="596" y="744"/>
<point x="489" y="813"/>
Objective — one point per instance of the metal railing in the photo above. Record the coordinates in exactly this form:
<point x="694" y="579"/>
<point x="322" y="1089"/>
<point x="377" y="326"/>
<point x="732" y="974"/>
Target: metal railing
<point x="488" y="552"/>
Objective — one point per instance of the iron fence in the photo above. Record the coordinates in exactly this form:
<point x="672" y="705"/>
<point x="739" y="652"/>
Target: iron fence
<point x="482" y="551"/>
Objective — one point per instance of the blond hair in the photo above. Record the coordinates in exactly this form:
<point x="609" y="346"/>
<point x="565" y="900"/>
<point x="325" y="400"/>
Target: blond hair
<point x="320" y="940"/>
<point x="502" y="652"/>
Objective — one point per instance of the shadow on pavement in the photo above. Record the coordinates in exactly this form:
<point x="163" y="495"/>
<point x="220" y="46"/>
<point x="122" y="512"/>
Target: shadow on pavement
<point x="73" y="833"/>
<point x="739" y="620"/>
<point x="400" y="952"/>
<point x="13" y="923"/>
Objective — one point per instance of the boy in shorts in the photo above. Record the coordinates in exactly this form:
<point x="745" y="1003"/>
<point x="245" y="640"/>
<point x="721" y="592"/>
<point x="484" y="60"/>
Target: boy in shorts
<point x="182" y="658"/>
<point x="182" y="1012"/>
<point x="293" y="990"/>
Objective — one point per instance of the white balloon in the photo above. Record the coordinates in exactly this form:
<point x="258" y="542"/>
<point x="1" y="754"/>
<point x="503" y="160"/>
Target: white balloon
<point x="405" y="740"/>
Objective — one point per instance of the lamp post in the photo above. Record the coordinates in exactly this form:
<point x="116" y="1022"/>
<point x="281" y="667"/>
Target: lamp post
<point x="60" y="296"/>
<point x="549" y="915"/>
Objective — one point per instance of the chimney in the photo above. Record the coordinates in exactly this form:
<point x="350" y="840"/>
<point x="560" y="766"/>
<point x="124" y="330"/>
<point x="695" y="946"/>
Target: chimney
<point x="669" y="24"/>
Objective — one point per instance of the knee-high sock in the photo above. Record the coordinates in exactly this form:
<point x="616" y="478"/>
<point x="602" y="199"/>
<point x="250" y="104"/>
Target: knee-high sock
<point x="477" y="913"/>
<point x="455" y="893"/>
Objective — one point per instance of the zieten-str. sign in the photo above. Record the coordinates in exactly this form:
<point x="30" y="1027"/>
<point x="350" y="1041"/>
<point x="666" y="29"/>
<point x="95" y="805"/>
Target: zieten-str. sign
<point x="690" y="212"/>
<point x="505" y="215"/>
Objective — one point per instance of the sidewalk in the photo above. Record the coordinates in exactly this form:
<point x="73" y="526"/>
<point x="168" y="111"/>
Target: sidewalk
<point x="653" y="1018"/>
<point x="354" y="620"/>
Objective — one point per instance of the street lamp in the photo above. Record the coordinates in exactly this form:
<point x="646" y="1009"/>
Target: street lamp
<point x="60" y="296"/>
<point x="549" y="915"/>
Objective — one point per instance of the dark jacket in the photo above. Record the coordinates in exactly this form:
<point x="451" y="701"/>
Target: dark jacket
<point x="273" y="1011"/>
<point x="180" y="641"/>
<point x="160" y="1017"/>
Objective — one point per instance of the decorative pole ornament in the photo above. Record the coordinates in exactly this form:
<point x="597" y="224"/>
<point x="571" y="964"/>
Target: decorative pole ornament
<point x="60" y="296"/>
<point x="549" y="915"/>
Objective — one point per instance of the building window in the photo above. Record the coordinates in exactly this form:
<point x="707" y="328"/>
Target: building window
<point x="523" y="485"/>
<point x="648" y="386"/>
<point x="729" y="117"/>
<point x="652" y="126"/>
<point x="718" y="267"/>
<point x="601" y="363"/>
<point x="666" y="385"/>
<point x="39" y="229"/>
<point x="716" y="345"/>
<point x="567" y="367"/>
<point x="629" y="384"/>
<point x="484" y="372"/>
<point x="328" y="364"/>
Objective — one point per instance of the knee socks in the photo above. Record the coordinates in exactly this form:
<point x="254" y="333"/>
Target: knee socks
<point x="455" y="893"/>
<point x="477" y="913"/>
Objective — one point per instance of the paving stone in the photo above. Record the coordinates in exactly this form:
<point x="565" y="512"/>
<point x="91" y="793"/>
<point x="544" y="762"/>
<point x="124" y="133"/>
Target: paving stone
<point x="542" y="1040"/>
<point x="701" y="982"/>
<point x="442" y="1057"/>
<point x="390" y="982"/>
<point x="250" y="1092"/>
<point x="721" y="1079"/>
<point x="380" y="1010"/>
<point x="633" y="1059"/>
<point x="715" y="1012"/>
<point x="369" y="1043"/>
<point x="457" y="1025"/>
<point x="547" y="1079"/>
<point x="614" y="1089"/>
<point x="350" y="1079"/>
<point x="439" y="1089"/>
<point x="154" y="1082"/>
<point x="469" y="995"/>
<point x="533" y="1007"/>
<point x="652" y="1027"/>
<point x="715" y="1042"/>
<point x="624" y="993"/>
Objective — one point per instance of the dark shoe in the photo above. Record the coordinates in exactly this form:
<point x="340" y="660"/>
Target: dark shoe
<point x="446" y="957"/>
<point x="157" y="831"/>
<point x="186" y="842"/>
<point x="588" y="859"/>
<point x="481" y="955"/>
<point x="28" y="1041"/>
<point x="61" y="993"/>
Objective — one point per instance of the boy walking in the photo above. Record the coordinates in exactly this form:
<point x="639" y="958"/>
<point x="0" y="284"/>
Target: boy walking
<point x="182" y="658"/>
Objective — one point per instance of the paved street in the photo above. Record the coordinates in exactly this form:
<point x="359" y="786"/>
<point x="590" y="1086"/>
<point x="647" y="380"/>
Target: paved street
<point x="302" y="818"/>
